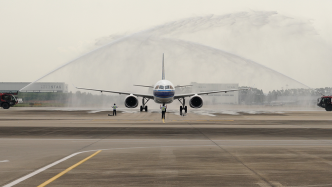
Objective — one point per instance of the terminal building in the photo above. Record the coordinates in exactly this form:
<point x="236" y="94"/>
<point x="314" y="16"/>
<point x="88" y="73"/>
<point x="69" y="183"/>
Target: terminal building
<point x="217" y="98"/>
<point x="35" y="87"/>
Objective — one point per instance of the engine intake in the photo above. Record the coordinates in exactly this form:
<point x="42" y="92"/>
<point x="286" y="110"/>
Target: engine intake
<point x="196" y="102"/>
<point x="131" y="101"/>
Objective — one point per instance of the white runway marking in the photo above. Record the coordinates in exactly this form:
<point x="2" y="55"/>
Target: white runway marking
<point x="74" y="154"/>
<point x="4" y="160"/>
<point x="95" y="111"/>
<point x="40" y="170"/>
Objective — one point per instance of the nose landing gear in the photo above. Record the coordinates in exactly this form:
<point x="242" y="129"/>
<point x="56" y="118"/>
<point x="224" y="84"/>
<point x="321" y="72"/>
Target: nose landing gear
<point x="144" y="106"/>
<point x="183" y="107"/>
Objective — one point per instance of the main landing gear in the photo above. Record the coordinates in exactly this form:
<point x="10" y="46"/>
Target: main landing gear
<point x="183" y="107"/>
<point x="143" y="106"/>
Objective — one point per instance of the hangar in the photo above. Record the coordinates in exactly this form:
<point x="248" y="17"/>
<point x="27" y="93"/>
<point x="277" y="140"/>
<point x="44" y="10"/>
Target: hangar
<point x="36" y="87"/>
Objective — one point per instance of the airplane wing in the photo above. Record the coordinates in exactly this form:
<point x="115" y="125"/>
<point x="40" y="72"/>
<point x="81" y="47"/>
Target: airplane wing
<point x="124" y="93"/>
<point x="143" y="86"/>
<point x="206" y="93"/>
<point x="180" y="86"/>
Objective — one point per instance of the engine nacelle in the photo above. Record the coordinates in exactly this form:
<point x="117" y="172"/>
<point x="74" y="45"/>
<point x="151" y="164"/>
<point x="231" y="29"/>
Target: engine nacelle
<point x="131" y="101"/>
<point x="196" y="101"/>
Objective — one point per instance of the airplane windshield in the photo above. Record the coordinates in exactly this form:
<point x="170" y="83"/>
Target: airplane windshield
<point x="167" y="87"/>
<point x="161" y="87"/>
<point x="171" y="87"/>
<point x="156" y="87"/>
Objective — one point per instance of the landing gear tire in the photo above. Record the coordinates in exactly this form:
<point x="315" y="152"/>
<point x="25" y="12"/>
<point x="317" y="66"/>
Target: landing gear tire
<point x="181" y="110"/>
<point x="146" y="108"/>
<point x="141" y="108"/>
<point x="328" y="108"/>
<point x="5" y="106"/>
<point x="185" y="109"/>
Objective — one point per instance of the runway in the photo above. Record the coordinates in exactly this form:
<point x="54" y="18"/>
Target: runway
<point x="90" y="148"/>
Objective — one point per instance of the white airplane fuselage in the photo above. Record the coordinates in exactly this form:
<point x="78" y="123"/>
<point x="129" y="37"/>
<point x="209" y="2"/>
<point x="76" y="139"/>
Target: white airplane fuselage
<point x="163" y="92"/>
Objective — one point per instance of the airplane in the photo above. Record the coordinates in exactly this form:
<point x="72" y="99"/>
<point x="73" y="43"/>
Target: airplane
<point x="164" y="93"/>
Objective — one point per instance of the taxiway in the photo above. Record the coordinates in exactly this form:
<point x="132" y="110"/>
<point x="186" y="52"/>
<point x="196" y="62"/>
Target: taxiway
<point x="89" y="148"/>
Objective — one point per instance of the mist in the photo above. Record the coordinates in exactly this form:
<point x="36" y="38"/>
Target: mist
<point x="264" y="50"/>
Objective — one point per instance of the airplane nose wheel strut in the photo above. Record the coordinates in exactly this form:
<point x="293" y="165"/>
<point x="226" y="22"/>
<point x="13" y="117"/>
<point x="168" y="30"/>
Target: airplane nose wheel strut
<point x="143" y="106"/>
<point x="183" y="107"/>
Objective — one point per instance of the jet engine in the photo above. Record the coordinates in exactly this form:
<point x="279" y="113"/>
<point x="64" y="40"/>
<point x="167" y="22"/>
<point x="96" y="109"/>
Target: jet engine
<point x="196" y="102"/>
<point x="131" y="101"/>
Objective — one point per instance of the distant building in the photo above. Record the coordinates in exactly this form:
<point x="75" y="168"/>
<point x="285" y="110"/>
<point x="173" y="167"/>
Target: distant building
<point x="298" y="100"/>
<point x="35" y="87"/>
<point x="217" y="98"/>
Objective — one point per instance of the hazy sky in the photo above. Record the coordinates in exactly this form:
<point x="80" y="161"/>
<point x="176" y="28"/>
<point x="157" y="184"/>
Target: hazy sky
<point x="38" y="36"/>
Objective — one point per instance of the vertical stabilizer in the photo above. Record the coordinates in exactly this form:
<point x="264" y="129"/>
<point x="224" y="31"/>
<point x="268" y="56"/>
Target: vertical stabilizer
<point x="163" y="73"/>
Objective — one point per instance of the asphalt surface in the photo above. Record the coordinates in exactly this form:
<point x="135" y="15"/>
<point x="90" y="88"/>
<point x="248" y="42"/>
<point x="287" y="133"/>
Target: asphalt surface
<point x="203" y="148"/>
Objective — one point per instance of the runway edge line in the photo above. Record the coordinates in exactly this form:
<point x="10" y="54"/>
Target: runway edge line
<point x="43" y="169"/>
<point x="68" y="169"/>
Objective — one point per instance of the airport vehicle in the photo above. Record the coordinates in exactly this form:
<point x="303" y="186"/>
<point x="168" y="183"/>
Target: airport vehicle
<point x="7" y="100"/>
<point x="325" y="102"/>
<point x="164" y="93"/>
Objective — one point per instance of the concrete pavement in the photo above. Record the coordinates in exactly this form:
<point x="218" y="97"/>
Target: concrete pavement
<point x="138" y="149"/>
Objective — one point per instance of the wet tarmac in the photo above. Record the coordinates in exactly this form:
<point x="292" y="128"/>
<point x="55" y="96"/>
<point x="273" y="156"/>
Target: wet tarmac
<point x="90" y="148"/>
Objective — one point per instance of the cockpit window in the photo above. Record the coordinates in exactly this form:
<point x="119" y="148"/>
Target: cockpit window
<point x="156" y="87"/>
<point x="161" y="87"/>
<point x="167" y="87"/>
<point x="171" y="87"/>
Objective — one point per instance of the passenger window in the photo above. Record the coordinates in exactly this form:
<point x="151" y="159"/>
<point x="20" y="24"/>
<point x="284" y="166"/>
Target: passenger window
<point x="156" y="87"/>
<point x="167" y="87"/>
<point x="161" y="87"/>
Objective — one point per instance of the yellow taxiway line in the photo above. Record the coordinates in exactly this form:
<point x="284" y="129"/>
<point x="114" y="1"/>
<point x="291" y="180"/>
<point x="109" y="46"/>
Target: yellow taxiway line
<point x="68" y="169"/>
<point x="163" y="121"/>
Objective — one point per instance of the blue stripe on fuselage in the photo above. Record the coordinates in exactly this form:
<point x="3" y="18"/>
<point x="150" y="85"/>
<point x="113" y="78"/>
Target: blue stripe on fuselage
<point x="163" y="93"/>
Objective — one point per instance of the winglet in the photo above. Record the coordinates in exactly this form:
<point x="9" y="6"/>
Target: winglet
<point x="163" y="70"/>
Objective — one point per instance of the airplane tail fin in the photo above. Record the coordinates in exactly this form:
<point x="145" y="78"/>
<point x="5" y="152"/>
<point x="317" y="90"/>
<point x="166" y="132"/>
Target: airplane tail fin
<point x="163" y="73"/>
